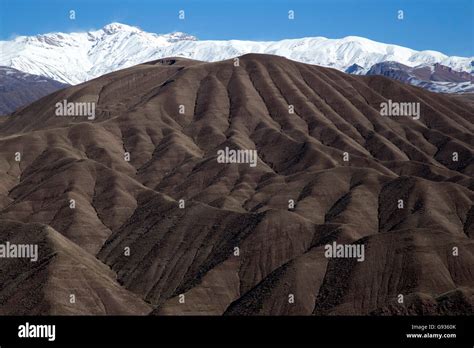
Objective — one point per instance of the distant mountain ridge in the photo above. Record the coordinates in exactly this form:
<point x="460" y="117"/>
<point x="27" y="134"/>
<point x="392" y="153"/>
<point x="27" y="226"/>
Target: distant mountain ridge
<point x="77" y="57"/>
<point x="18" y="88"/>
<point x="436" y="77"/>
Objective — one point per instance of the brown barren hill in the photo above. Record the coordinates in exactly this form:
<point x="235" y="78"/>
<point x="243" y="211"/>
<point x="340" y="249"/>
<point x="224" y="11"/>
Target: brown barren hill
<point x="139" y="200"/>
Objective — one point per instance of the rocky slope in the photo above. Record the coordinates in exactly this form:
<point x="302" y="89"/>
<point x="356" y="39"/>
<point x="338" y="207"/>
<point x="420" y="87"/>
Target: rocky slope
<point x="185" y="234"/>
<point x="436" y="77"/>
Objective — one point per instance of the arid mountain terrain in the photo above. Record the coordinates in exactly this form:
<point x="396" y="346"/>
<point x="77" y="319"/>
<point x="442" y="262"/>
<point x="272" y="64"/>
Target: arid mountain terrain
<point x="134" y="214"/>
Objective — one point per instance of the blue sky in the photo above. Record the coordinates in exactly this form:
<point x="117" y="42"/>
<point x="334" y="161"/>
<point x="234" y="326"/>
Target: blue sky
<point x="442" y="25"/>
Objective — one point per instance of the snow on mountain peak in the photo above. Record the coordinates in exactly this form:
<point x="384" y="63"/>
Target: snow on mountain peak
<point x="77" y="57"/>
<point x="116" y="27"/>
<point x="178" y="36"/>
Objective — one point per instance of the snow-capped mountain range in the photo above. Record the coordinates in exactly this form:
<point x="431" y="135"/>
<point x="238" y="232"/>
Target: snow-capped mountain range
<point x="78" y="57"/>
